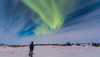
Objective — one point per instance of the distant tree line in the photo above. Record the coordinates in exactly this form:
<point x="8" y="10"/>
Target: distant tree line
<point x="80" y="44"/>
<point x="96" y="44"/>
<point x="66" y="44"/>
<point x="70" y="44"/>
<point x="2" y="44"/>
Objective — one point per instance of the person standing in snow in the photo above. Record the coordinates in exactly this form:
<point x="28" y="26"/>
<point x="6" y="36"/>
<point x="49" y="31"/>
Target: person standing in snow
<point x="31" y="49"/>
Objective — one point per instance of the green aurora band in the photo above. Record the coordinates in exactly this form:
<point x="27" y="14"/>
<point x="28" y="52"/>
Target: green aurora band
<point x="51" y="13"/>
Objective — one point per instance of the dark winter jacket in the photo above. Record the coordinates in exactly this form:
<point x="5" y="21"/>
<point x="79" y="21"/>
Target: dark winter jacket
<point x="31" y="46"/>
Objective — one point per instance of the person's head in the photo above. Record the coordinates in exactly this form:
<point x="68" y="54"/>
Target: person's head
<point x="32" y="42"/>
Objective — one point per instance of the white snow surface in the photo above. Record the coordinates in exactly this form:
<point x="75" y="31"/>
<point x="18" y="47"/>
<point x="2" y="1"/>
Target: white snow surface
<point x="51" y="51"/>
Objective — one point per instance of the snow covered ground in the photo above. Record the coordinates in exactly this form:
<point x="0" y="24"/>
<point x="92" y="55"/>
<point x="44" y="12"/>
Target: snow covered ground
<point x="51" y="51"/>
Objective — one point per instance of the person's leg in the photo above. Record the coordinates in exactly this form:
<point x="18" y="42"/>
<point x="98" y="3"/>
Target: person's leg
<point x="31" y="53"/>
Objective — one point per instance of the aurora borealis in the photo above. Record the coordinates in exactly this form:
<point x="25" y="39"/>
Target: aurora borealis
<point x="50" y="12"/>
<point x="49" y="21"/>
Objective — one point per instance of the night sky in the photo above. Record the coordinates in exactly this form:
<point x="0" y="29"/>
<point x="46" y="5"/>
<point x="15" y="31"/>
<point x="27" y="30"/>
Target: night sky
<point x="49" y="21"/>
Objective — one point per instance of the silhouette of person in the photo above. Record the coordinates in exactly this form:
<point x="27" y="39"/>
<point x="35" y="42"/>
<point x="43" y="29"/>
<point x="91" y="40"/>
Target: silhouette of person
<point x="31" y="48"/>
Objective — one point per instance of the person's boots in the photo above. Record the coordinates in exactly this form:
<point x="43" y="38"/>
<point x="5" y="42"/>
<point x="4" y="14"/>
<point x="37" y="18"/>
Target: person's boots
<point x="29" y="54"/>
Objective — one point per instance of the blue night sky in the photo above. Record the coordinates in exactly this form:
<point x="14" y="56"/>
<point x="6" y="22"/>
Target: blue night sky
<point x="81" y="23"/>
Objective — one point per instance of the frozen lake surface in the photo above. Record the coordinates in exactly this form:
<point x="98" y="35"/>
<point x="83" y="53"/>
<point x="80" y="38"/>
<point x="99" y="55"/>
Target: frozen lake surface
<point x="51" y="51"/>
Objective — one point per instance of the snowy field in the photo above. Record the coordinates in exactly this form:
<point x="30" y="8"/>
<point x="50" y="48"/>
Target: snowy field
<point x="51" y="51"/>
